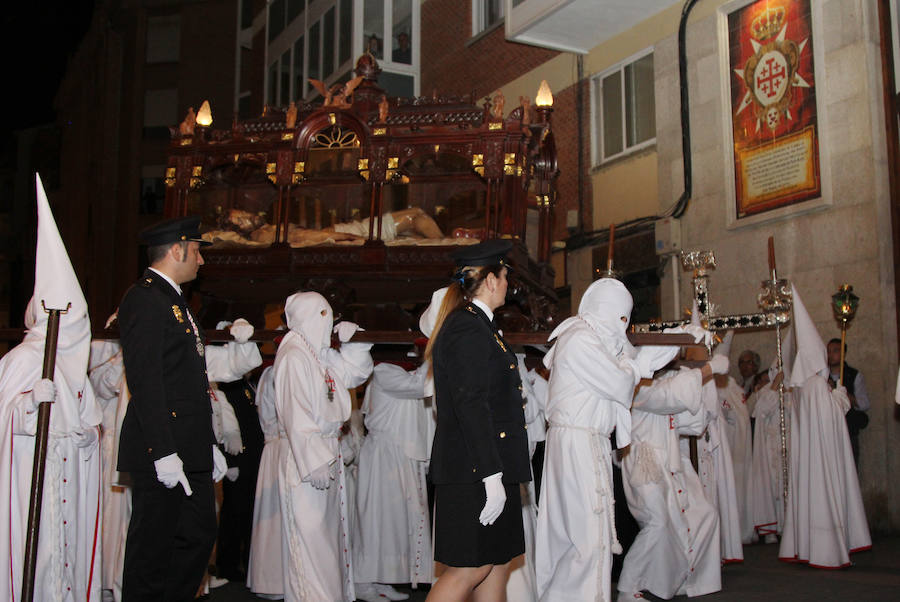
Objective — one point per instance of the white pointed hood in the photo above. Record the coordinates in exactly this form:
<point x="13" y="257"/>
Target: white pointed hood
<point x="56" y="287"/>
<point x="309" y="314"/>
<point x="811" y="357"/>
<point x="428" y="319"/>
<point x="724" y="348"/>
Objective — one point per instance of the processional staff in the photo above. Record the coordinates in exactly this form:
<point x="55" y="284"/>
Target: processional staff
<point x="40" y="456"/>
<point x="776" y="299"/>
<point x="844" y="304"/>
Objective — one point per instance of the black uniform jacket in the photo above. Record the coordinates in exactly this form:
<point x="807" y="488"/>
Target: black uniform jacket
<point x="480" y="408"/>
<point x="170" y="409"/>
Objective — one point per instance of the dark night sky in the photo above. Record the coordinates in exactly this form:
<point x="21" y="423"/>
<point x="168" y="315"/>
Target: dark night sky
<point x="39" y="37"/>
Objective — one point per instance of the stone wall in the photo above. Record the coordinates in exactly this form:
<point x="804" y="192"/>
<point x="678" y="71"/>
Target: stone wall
<point x="846" y="242"/>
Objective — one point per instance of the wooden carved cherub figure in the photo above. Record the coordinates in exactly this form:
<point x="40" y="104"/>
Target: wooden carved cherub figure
<point x="291" y="116"/>
<point x="186" y="128"/>
<point x="525" y="103"/>
<point x="383" y="109"/>
<point x="497" y="103"/>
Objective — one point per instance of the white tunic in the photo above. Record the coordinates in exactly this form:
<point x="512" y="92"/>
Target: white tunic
<point x="522" y="583"/>
<point x="68" y="559"/>
<point x="107" y="374"/>
<point x="315" y="539"/>
<point x="717" y="474"/>
<point x="825" y="521"/>
<point x="590" y="394"/>
<point x="265" y="572"/>
<point x="677" y="550"/>
<point x="766" y="500"/>
<point x="737" y="431"/>
<point x="394" y="543"/>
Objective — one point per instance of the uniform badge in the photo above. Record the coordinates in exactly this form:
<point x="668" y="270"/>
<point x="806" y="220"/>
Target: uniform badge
<point x="500" y="342"/>
<point x="176" y="311"/>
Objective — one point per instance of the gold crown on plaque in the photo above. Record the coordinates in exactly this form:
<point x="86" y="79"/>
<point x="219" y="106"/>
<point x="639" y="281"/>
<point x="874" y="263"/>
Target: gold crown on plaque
<point x="768" y="23"/>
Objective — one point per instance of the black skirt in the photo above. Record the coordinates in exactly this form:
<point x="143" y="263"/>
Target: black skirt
<point x="460" y="540"/>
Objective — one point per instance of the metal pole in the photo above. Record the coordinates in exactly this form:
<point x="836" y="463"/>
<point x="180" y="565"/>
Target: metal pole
<point x="40" y="460"/>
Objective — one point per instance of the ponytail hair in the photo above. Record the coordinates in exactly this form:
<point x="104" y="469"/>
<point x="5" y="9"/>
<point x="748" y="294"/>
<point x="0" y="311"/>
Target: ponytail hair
<point x="466" y="283"/>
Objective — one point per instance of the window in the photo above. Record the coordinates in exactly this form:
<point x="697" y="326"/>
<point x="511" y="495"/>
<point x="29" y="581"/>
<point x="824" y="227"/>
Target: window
<point x="160" y="113"/>
<point x="163" y="39"/>
<point x="486" y="14"/>
<point x="623" y="109"/>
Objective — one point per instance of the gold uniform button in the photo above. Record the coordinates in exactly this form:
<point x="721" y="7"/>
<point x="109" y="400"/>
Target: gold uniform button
<point x="473" y="470"/>
<point x="149" y="450"/>
<point x="187" y="331"/>
<point x="502" y="434"/>
<point x="526" y="427"/>
<point x="512" y="366"/>
<point x="523" y="405"/>
<point x="520" y="387"/>
<point x="174" y="415"/>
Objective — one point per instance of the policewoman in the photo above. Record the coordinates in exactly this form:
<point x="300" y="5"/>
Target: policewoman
<point x="167" y="441"/>
<point x="480" y="451"/>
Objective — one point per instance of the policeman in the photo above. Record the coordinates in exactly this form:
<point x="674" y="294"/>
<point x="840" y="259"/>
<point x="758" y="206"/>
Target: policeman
<point x="167" y="441"/>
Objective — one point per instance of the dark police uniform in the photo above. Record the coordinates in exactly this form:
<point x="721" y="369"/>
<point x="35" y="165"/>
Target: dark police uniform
<point x="170" y="536"/>
<point x="480" y="432"/>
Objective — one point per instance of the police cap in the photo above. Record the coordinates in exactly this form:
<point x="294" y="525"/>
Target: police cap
<point x="173" y="230"/>
<point x="487" y="252"/>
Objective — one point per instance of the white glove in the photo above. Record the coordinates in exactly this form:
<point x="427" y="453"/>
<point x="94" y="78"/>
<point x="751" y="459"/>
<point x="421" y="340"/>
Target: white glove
<point x="699" y="333"/>
<point x="321" y="478"/>
<point x="496" y="499"/>
<point x="232" y="473"/>
<point x="220" y="466"/>
<point x="719" y="364"/>
<point x="346" y="330"/>
<point x="170" y="472"/>
<point x="86" y="438"/>
<point x="43" y="390"/>
<point x="232" y="443"/>
<point x="241" y="330"/>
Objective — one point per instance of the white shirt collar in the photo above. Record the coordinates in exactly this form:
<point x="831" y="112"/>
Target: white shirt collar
<point x="167" y="279"/>
<point x="484" y="308"/>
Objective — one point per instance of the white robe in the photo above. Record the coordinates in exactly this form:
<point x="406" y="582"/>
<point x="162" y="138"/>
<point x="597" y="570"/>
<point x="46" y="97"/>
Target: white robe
<point x="766" y="499"/>
<point x="825" y="520"/>
<point x="315" y="538"/>
<point x="737" y="431"/>
<point x="717" y="474"/>
<point x="107" y="374"/>
<point x="69" y="547"/>
<point x="590" y="394"/>
<point x="522" y="583"/>
<point x="265" y="572"/>
<point x="677" y="550"/>
<point x="394" y="544"/>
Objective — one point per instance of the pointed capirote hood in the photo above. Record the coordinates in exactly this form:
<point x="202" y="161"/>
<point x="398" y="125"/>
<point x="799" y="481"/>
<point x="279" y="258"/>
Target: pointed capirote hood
<point x="56" y="287"/>
<point x="811" y="357"/>
<point x="428" y="319"/>
<point x="310" y="315"/>
<point x="724" y="348"/>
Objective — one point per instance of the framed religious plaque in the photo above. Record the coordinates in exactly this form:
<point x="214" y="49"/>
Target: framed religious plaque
<point x="772" y="118"/>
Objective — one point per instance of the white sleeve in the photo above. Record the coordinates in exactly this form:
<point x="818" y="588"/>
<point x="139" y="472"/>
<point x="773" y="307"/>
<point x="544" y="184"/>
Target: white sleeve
<point x="229" y="362"/>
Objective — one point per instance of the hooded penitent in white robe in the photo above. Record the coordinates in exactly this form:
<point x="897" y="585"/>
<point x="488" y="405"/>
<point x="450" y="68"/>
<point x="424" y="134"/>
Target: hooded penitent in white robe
<point x="69" y="546"/>
<point x="737" y="432"/>
<point x="312" y="403"/>
<point x="677" y="550"/>
<point x="394" y="530"/>
<point x="522" y="583"/>
<point x="825" y="520"/>
<point x="107" y="374"/>
<point x="593" y="372"/>
<point x="265" y="573"/>
<point x="766" y="494"/>
<point x="716" y="474"/>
